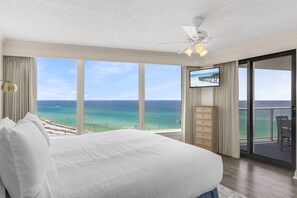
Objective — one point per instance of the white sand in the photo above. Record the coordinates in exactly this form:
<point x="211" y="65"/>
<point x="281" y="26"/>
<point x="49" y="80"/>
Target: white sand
<point x="54" y="129"/>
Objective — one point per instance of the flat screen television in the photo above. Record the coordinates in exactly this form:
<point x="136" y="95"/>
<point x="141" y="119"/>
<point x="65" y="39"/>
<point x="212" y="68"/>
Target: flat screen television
<point x="205" y="78"/>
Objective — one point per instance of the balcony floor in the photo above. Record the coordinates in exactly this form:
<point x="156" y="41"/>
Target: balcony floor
<point x="270" y="149"/>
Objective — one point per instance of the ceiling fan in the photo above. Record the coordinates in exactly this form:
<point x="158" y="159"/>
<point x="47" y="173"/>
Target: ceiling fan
<point x="197" y="38"/>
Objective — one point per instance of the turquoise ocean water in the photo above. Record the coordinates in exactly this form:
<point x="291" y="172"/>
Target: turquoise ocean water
<point x="110" y="115"/>
<point x="264" y="111"/>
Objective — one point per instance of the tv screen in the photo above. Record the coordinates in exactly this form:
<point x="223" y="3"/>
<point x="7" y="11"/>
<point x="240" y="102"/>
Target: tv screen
<point x="205" y="78"/>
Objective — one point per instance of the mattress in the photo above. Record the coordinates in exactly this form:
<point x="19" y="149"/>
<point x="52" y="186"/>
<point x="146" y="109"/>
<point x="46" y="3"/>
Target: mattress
<point x="130" y="163"/>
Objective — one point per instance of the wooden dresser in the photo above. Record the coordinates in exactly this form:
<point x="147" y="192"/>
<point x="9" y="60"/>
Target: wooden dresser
<point x="205" y="127"/>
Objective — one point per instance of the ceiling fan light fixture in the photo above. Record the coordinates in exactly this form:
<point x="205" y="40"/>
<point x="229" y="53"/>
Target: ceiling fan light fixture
<point x="203" y="53"/>
<point x="200" y="48"/>
<point x="189" y="51"/>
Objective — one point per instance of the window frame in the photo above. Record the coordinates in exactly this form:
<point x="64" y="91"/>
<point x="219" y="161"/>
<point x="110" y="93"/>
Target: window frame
<point x="141" y="98"/>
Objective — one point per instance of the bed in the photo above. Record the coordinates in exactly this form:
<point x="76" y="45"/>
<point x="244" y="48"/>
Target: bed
<point x="130" y="163"/>
<point x="123" y="163"/>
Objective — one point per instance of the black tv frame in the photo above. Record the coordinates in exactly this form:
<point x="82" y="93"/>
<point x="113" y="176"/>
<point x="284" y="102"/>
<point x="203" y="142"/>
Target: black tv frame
<point x="205" y="69"/>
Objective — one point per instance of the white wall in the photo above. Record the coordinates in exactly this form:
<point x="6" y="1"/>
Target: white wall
<point x="207" y="96"/>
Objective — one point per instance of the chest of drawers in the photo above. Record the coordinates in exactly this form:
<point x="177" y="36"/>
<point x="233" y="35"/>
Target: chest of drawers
<point x="205" y="127"/>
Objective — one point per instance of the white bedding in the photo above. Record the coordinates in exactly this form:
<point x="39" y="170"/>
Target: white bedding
<point x="128" y="164"/>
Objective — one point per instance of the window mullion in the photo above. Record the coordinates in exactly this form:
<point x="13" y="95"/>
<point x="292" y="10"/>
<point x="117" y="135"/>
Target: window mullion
<point x="80" y="97"/>
<point x="141" y="96"/>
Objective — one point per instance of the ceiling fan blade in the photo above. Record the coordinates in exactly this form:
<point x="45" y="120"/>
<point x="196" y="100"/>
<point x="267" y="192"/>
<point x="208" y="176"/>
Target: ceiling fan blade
<point x="206" y="40"/>
<point x="191" y="32"/>
<point x="180" y="42"/>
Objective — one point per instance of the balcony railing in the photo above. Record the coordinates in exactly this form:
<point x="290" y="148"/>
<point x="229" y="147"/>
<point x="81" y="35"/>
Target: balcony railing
<point x="264" y="121"/>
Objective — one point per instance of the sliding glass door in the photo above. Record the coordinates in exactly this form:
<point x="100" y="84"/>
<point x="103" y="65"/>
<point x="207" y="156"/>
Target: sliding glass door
<point x="242" y="78"/>
<point x="270" y="108"/>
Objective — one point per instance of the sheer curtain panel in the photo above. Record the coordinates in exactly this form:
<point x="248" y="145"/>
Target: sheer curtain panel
<point x="23" y="72"/>
<point x="226" y="99"/>
<point x="190" y="98"/>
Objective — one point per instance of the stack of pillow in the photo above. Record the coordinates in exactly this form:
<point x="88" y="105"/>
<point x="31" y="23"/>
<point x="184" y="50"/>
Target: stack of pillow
<point x="24" y="158"/>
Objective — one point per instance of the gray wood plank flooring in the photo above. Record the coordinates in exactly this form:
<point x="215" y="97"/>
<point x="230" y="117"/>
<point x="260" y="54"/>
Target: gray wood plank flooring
<point x="256" y="179"/>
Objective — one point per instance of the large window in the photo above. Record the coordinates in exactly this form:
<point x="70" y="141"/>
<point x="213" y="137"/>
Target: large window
<point x="56" y="98"/>
<point x="111" y="95"/>
<point x="162" y="97"/>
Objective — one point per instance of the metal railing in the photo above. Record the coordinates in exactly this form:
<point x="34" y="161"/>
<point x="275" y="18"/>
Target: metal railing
<point x="272" y="112"/>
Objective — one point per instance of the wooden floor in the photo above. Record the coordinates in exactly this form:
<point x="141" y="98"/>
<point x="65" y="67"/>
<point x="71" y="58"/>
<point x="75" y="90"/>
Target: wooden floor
<point x="256" y="179"/>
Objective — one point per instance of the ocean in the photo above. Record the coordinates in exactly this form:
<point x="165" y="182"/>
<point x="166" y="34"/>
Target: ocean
<point x="263" y="112"/>
<point x="111" y="115"/>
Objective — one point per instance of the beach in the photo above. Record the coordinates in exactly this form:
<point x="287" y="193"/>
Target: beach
<point x="55" y="129"/>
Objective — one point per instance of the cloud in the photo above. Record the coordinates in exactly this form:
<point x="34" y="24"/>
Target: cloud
<point x="167" y="91"/>
<point x="56" y="89"/>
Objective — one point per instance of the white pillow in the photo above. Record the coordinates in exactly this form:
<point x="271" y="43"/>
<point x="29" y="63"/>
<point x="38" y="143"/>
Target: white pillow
<point x="24" y="159"/>
<point x="7" y="122"/>
<point x="33" y="118"/>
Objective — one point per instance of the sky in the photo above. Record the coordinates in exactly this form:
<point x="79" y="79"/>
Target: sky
<point x="269" y="84"/>
<point x="106" y="80"/>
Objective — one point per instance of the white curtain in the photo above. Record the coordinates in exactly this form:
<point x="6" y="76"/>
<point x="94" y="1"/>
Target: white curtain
<point x="23" y="72"/>
<point x="227" y="101"/>
<point x="190" y="98"/>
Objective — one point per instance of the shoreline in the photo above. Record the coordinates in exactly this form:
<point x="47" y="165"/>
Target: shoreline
<point x="55" y="129"/>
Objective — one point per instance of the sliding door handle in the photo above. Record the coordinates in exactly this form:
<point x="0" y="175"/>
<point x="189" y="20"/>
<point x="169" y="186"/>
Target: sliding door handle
<point x="293" y="111"/>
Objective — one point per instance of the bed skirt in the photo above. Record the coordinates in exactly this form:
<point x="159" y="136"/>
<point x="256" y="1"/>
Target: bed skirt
<point x="211" y="194"/>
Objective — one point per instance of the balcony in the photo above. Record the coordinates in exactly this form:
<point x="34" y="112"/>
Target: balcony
<point x="265" y="132"/>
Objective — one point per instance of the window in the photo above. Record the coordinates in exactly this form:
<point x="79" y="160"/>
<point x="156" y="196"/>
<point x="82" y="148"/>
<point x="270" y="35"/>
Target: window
<point x="162" y="97"/>
<point x="56" y="94"/>
<point x="242" y="78"/>
<point x="111" y="96"/>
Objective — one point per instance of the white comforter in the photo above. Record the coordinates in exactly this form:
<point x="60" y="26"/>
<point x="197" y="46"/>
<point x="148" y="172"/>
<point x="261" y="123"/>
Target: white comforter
<point x="128" y="164"/>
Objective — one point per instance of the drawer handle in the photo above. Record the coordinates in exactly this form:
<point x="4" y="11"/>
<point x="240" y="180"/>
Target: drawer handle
<point x="203" y="128"/>
<point x="202" y="122"/>
<point x="203" y="135"/>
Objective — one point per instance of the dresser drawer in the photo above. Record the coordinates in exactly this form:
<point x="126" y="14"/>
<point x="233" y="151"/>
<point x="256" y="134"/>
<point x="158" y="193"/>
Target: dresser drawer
<point x="204" y="128"/>
<point x="203" y="122"/>
<point x="199" y="135"/>
<point x="203" y="141"/>
<point x="203" y="115"/>
<point x="203" y="110"/>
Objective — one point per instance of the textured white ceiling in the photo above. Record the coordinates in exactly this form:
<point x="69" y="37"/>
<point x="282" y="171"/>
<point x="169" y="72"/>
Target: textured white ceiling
<point x="142" y="24"/>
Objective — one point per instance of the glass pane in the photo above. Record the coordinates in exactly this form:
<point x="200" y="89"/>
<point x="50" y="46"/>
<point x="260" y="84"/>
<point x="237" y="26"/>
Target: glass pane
<point x="272" y="93"/>
<point x="111" y="96"/>
<point x="242" y="78"/>
<point x="162" y="97"/>
<point x="56" y="95"/>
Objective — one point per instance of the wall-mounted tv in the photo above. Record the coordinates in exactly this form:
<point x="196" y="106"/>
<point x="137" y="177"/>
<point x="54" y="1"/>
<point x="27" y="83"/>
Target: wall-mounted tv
<point x="205" y="78"/>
